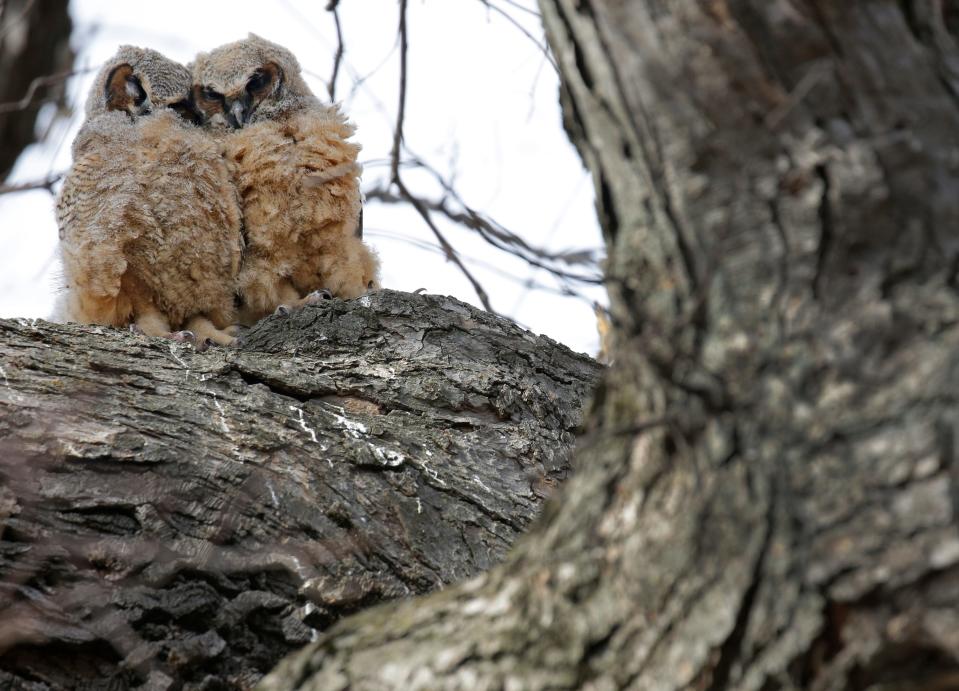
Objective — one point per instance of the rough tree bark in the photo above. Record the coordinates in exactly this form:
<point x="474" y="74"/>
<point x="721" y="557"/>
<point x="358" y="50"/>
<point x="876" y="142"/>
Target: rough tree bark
<point x="769" y="495"/>
<point x="173" y="519"/>
<point x="35" y="56"/>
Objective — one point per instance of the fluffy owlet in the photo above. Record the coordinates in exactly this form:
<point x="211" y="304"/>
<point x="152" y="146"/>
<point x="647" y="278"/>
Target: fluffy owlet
<point x="149" y="220"/>
<point x="296" y="175"/>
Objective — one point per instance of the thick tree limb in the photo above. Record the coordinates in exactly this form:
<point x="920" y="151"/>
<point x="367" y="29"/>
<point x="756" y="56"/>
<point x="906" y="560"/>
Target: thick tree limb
<point x="768" y="498"/>
<point x="174" y="517"/>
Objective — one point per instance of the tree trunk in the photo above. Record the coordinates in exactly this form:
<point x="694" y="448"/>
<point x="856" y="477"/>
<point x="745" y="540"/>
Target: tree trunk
<point x="35" y="56"/>
<point x="768" y="498"/>
<point x="174" y="519"/>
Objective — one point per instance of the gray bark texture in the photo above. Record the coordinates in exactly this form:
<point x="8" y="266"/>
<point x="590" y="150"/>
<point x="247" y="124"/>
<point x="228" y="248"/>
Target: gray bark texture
<point x="34" y="58"/>
<point x="174" y="519"/>
<point x="768" y="493"/>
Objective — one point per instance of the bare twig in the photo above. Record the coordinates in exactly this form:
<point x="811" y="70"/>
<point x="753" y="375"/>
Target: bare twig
<point x="46" y="183"/>
<point x="451" y="253"/>
<point x="404" y="191"/>
<point x="497" y="236"/>
<point x="451" y="206"/>
<point x="401" y="112"/>
<point x="338" y="56"/>
<point x="808" y="82"/>
<point x="498" y="232"/>
<point x="539" y="44"/>
<point x="432" y="247"/>
<point x="19" y="18"/>
<point x="513" y="3"/>
<point x="488" y="229"/>
<point x="28" y="98"/>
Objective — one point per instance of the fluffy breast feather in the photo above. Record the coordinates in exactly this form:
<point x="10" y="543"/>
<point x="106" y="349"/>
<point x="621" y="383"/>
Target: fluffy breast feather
<point x="150" y="202"/>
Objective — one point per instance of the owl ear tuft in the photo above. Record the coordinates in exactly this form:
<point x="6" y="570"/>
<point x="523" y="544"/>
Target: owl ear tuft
<point x="123" y="90"/>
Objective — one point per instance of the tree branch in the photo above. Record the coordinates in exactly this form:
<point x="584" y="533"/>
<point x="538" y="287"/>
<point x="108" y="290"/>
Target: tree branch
<point x="338" y="56"/>
<point x="44" y="184"/>
<point x="191" y="517"/>
<point x="396" y="180"/>
<point x="497" y="236"/>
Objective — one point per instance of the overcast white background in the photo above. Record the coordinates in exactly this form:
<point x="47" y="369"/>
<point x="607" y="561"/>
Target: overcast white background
<point x="481" y="106"/>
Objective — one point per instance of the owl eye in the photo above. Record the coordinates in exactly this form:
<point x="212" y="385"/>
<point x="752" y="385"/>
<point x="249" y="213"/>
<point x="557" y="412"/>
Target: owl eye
<point x="135" y="90"/>
<point x="211" y="95"/>
<point x="123" y="90"/>
<point x="187" y="111"/>
<point x="258" y="82"/>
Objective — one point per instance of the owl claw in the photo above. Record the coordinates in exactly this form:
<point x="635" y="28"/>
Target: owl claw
<point x="282" y="310"/>
<point x="183" y="337"/>
<point x="317" y="296"/>
<point x="205" y="345"/>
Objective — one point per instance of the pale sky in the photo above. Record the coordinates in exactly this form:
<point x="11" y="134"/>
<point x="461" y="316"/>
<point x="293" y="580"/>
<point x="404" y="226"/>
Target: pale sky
<point x="482" y="107"/>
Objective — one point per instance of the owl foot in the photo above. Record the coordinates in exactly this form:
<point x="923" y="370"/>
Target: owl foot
<point x="214" y="337"/>
<point x="316" y="297"/>
<point x="207" y="334"/>
<point x="182" y="337"/>
<point x="134" y="329"/>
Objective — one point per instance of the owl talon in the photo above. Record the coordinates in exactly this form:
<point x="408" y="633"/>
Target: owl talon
<point x="282" y="310"/>
<point x="317" y="297"/>
<point x="183" y="337"/>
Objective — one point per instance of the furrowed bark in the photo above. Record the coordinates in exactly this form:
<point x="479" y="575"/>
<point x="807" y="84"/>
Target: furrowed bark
<point x="173" y="519"/>
<point x="768" y="495"/>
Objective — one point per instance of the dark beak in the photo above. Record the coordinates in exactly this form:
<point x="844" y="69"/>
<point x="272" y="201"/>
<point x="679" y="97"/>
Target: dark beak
<point x="236" y="113"/>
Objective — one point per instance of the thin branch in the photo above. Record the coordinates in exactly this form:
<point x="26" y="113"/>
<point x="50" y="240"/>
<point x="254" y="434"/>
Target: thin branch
<point x="808" y="82"/>
<point x="541" y="45"/>
<point x="28" y="98"/>
<point x="495" y="233"/>
<point x="474" y="221"/>
<point x="425" y="245"/>
<point x="481" y="224"/>
<point x="398" y="192"/>
<point x="444" y="243"/>
<point x="396" y="180"/>
<point x="401" y="113"/>
<point x="515" y="4"/>
<point x="46" y="183"/>
<point x="19" y="18"/>
<point x="338" y="56"/>
<point x="488" y="229"/>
